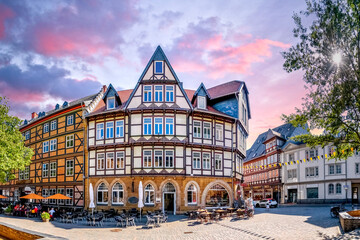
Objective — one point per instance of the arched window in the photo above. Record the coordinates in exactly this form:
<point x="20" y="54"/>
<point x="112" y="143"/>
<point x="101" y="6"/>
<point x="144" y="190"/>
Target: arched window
<point x="338" y="188"/>
<point x="102" y="194"/>
<point x="118" y="194"/>
<point x="331" y="188"/>
<point x="149" y="195"/>
<point x="217" y="196"/>
<point x="191" y="194"/>
<point x="169" y="188"/>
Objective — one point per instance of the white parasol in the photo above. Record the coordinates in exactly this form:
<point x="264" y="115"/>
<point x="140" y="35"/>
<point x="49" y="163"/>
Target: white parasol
<point x="141" y="196"/>
<point x="91" y="193"/>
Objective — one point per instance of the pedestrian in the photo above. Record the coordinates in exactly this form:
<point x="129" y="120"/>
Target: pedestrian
<point x="267" y="206"/>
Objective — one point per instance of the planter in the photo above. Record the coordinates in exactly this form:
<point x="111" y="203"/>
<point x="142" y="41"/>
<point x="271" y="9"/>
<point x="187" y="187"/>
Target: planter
<point x="7" y="213"/>
<point x="45" y="220"/>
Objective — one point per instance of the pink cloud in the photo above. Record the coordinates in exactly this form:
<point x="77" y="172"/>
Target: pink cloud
<point x="5" y="13"/>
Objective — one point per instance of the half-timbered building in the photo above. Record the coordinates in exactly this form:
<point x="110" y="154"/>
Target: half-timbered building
<point x="186" y="146"/>
<point x="57" y="166"/>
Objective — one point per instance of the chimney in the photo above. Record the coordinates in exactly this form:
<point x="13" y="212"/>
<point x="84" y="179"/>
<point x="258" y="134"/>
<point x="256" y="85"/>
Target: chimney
<point x="34" y="115"/>
<point x="104" y="88"/>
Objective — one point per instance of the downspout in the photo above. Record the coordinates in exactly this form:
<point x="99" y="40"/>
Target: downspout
<point x="84" y="148"/>
<point x="324" y="174"/>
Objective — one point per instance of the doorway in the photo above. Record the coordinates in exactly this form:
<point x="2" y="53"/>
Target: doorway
<point x="292" y="193"/>
<point x="354" y="195"/>
<point x="169" y="199"/>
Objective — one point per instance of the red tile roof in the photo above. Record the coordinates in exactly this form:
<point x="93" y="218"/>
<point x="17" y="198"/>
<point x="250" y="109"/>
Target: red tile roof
<point x="224" y="89"/>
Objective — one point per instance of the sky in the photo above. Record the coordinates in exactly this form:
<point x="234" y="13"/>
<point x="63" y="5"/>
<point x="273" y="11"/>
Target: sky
<point x="56" y="51"/>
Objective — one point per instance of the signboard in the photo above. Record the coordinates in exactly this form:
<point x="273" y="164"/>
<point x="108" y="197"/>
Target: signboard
<point x="133" y="200"/>
<point x="158" y="200"/>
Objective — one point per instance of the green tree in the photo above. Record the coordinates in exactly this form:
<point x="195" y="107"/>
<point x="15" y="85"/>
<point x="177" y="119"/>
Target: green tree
<point x="13" y="153"/>
<point x="328" y="53"/>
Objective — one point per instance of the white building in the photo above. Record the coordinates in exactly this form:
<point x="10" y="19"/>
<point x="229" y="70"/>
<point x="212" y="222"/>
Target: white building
<point x="318" y="179"/>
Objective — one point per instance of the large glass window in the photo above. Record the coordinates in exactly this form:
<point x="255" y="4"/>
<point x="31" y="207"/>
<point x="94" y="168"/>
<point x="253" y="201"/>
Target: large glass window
<point x="147" y="158"/>
<point x="110" y="103"/>
<point x="197" y="129"/>
<point x="207" y="130"/>
<point x="206" y="160"/>
<point x="69" y="167"/>
<point x="109" y="129"/>
<point x="100" y="131"/>
<point x="69" y="141"/>
<point x="27" y="173"/>
<point x="53" y="144"/>
<point x="118" y="194"/>
<point x="331" y="169"/>
<point x="100" y="161"/>
<point x="338" y="168"/>
<point x="169" y="93"/>
<point x="120" y="128"/>
<point x="169" y="158"/>
<point x="158" y="158"/>
<point x="201" y="102"/>
<point x="191" y="194"/>
<point x="292" y="174"/>
<point x="219" y="132"/>
<point x="331" y="188"/>
<point x="312" y="172"/>
<point x="27" y="135"/>
<point x="217" y="196"/>
<point x="169" y="128"/>
<point x="158" y="126"/>
<point x="45" y="146"/>
<point x="102" y="194"/>
<point x="53" y="125"/>
<point x="109" y="160"/>
<point x="52" y="191"/>
<point x="70" y="194"/>
<point x="147" y="126"/>
<point x="149" y="194"/>
<point x="46" y="128"/>
<point x="147" y="93"/>
<point x="196" y="160"/>
<point x="53" y="169"/>
<point x="21" y="175"/>
<point x="70" y="120"/>
<point x="159" y="67"/>
<point x="158" y="93"/>
<point x="120" y="161"/>
<point x="218" y="161"/>
<point x="338" y="188"/>
<point x="312" y="193"/>
<point x="45" y="170"/>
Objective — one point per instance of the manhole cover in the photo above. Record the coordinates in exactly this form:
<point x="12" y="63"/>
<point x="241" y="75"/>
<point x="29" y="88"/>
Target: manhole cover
<point x="116" y="230"/>
<point x="187" y="232"/>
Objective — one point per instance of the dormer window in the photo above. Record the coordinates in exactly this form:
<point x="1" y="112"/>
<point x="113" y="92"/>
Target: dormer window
<point x="201" y="102"/>
<point x="111" y="103"/>
<point x="159" y="67"/>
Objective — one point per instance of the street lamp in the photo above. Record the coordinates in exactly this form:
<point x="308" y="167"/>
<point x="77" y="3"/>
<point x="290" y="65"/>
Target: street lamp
<point x="346" y="189"/>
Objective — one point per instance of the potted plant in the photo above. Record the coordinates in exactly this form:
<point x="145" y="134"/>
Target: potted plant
<point x="45" y="217"/>
<point x="8" y="210"/>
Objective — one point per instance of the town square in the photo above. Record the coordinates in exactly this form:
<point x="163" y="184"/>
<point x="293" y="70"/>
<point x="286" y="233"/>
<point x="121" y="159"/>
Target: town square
<point x="180" y="120"/>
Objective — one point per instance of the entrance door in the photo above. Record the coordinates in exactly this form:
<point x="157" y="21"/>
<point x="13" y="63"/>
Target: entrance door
<point x="292" y="195"/>
<point x="169" y="199"/>
<point x="355" y="199"/>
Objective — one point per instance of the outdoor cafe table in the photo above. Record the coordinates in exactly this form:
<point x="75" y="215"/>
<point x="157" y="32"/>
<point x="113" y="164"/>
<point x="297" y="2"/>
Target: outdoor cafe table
<point x="205" y="215"/>
<point x="221" y="212"/>
<point x="157" y="217"/>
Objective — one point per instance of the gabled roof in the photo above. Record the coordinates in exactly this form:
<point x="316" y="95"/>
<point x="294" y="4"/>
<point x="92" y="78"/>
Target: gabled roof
<point x="271" y="134"/>
<point x="286" y="130"/>
<point x="124" y="96"/>
<point x="200" y="89"/>
<point x="159" y="55"/>
<point x="111" y="90"/>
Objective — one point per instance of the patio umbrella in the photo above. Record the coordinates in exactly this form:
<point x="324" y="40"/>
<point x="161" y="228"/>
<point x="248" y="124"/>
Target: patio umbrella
<point x="141" y="196"/>
<point x="1" y="196"/>
<point x="59" y="196"/>
<point x="91" y="193"/>
<point x="32" y="196"/>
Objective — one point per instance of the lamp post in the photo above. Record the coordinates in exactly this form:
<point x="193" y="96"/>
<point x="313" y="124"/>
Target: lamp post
<point x="346" y="189"/>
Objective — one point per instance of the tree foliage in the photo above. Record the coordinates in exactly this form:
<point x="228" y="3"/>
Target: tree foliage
<point x="13" y="153"/>
<point x="332" y="102"/>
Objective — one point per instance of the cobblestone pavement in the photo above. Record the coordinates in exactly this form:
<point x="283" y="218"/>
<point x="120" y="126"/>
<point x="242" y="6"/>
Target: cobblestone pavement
<point x="280" y="223"/>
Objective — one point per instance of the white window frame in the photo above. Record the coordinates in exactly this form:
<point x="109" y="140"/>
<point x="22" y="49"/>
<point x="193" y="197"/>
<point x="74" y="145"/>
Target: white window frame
<point x="147" y="95"/>
<point x="146" y="125"/>
<point x="69" y="120"/>
<point x="162" y="67"/>
<point x="70" y="141"/>
<point x="198" y="132"/>
<point x="218" y="161"/>
<point x="337" y="168"/>
<point x="119" y="128"/>
<point x="169" y="126"/>
<point x="110" y="160"/>
<point x="120" y="160"/>
<point x="45" y="146"/>
<point x="27" y="173"/>
<point x="147" y="197"/>
<point x="46" y="128"/>
<point x="332" y="189"/>
<point x="206" y="160"/>
<point x="99" y="131"/>
<point x="108" y="102"/>
<point x="207" y="130"/>
<point x="158" y="158"/>
<point x="196" y="160"/>
<point x="45" y="170"/>
<point x="337" y="188"/>
<point x="219" y="128"/>
<point x="146" y="158"/>
<point x="169" y="158"/>
<point x="158" y="93"/>
<point x="193" y="191"/>
<point x="69" y="168"/>
<point x="60" y="201"/>
<point x="21" y="175"/>
<point x="201" y="102"/>
<point x="158" y="126"/>
<point x="169" y="93"/>
<point x="52" y="169"/>
<point x="100" y="161"/>
<point x="117" y="191"/>
<point x="53" y="125"/>
<point x="70" y="194"/>
<point x="102" y="191"/>
<point x="109" y="130"/>
<point x="27" y="135"/>
<point x="53" y="144"/>
<point x="315" y="172"/>
<point x="332" y="169"/>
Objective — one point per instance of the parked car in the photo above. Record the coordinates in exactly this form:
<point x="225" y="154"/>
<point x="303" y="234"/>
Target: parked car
<point x="272" y="202"/>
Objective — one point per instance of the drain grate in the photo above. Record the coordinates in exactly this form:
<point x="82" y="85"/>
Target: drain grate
<point x="187" y="232"/>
